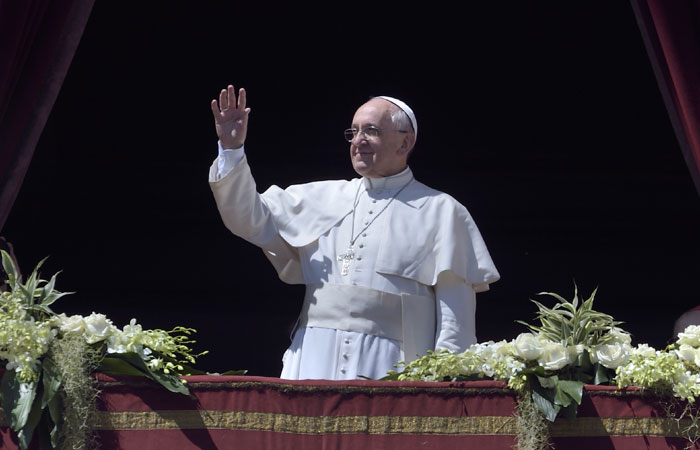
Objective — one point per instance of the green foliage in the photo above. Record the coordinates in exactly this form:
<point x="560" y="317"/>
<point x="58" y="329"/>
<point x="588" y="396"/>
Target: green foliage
<point x="569" y="323"/>
<point x="47" y="387"/>
<point x="37" y="294"/>
<point x="572" y="345"/>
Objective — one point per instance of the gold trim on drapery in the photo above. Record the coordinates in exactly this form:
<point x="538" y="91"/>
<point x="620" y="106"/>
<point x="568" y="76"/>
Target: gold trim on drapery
<point x="286" y="423"/>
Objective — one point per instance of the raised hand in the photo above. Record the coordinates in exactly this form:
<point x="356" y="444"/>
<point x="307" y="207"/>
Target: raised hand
<point x="231" y="117"/>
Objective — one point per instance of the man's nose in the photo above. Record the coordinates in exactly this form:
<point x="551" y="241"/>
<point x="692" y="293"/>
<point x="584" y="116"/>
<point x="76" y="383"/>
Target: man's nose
<point x="359" y="138"/>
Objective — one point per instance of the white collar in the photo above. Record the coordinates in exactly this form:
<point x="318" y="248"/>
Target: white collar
<point x="391" y="182"/>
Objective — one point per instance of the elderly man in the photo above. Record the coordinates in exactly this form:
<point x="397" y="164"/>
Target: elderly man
<point x="391" y="266"/>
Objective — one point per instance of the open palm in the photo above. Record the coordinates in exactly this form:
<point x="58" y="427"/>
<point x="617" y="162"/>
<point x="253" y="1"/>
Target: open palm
<point x="231" y="117"/>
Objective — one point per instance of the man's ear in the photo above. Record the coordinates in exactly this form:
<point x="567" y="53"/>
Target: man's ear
<point x="409" y="140"/>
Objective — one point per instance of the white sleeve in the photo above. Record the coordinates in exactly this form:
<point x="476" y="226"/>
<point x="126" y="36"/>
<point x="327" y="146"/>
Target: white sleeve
<point x="456" y="311"/>
<point x="227" y="160"/>
<point x="244" y="212"/>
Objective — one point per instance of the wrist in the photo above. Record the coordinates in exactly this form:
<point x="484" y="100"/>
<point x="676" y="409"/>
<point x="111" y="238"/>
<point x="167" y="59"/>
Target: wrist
<point x="230" y="145"/>
<point x="223" y="148"/>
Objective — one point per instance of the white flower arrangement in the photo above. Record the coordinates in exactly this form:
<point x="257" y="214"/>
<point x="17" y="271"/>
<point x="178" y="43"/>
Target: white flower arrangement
<point x="32" y="384"/>
<point x="573" y="346"/>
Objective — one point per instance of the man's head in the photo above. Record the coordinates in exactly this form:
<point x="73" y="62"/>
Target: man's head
<point x="382" y="135"/>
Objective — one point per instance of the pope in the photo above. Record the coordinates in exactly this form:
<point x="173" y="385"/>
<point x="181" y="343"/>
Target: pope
<point x="391" y="266"/>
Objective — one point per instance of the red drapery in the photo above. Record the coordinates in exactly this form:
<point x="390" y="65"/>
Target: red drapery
<point x="37" y="41"/>
<point x="258" y="413"/>
<point x="671" y="32"/>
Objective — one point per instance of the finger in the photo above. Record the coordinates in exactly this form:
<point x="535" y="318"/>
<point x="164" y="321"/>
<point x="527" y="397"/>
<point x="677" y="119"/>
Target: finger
<point x="242" y="98"/>
<point x="231" y="97"/>
<point x="244" y="120"/>
<point x="223" y="100"/>
<point x="215" y="108"/>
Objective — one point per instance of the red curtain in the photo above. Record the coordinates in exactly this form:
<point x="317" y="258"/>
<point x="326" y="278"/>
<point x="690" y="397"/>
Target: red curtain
<point x="671" y="32"/>
<point x="37" y="41"/>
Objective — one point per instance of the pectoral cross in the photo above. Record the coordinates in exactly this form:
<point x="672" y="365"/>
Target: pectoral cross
<point x="346" y="258"/>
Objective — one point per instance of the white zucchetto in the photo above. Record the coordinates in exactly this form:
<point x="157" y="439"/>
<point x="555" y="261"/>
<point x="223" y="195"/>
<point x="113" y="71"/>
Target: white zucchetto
<point x="405" y="108"/>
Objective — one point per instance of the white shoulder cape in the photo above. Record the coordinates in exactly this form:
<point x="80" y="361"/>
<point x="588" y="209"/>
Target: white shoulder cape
<point x="428" y="231"/>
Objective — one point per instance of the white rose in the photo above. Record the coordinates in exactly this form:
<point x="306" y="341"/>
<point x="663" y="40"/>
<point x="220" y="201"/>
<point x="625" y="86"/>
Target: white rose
<point x="72" y="324"/>
<point x="613" y="356"/>
<point x="620" y="336"/>
<point x="644" y="350"/>
<point x="554" y="356"/>
<point x="97" y="328"/>
<point x="688" y="354"/>
<point x="528" y="347"/>
<point x="690" y="336"/>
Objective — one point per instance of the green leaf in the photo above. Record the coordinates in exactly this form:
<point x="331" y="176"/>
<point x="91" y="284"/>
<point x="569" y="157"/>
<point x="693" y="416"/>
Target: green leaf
<point x="535" y="370"/>
<point x="561" y="398"/>
<point x="573" y="389"/>
<point x="170" y="382"/>
<point x="52" y="297"/>
<point x="548" y="382"/>
<point x="51" y="380"/>
<point x="17" y="399"/>
<point x="28" y="295"/>
<point x="117" y="366"/>
<point x="548" y="409"/>
<point x="601" y="374"/>
<point x="56" y="413"/>
<point x="552" y="294"/>
<point x="9" y="266"/>
<point x="44" y="309"/>
<point x="27" y="432"/>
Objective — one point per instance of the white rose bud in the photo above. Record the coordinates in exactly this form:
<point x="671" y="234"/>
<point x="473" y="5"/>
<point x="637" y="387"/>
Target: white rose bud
<point x="528" y="347"/>
<point x="554" y="356"/>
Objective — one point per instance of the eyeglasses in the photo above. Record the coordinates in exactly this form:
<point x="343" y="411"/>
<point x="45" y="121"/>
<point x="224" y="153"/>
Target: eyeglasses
<point x="370" y="133"/>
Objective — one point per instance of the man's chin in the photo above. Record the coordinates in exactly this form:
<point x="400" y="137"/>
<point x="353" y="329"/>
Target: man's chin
<point x="361" y="168"/>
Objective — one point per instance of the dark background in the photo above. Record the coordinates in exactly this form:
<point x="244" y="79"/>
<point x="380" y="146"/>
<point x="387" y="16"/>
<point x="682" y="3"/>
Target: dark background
<point x="543" y="118"/>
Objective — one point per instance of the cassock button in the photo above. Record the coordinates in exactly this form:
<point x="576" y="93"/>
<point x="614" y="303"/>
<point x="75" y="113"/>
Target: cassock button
<point x="347" y="341"/>
<point x="359" y="258"/>
<point x="374" y="200"/>
<point x="371" y="212"/>
<point x="366" y="222"/>
<point x="362" y="245"/>
<point x="364" y="234"/>
<point x="343" y="370"/>
<point x="346" y="355"/>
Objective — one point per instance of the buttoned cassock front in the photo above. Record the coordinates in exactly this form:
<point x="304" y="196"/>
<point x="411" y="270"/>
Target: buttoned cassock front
<point x="423" y="248"/>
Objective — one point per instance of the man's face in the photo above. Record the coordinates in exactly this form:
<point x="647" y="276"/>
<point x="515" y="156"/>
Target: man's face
<point x="383" y="151"/>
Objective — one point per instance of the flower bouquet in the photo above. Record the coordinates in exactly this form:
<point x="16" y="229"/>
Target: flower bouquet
<point x="46" y="387"/>
<point x="573" y="345"/>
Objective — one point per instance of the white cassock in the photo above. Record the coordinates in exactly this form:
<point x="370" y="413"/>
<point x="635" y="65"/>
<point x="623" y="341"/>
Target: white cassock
<point x="408" y="284"/>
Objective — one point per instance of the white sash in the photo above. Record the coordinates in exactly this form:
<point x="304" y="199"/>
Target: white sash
<point x="408" y="319"/>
